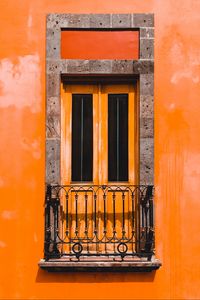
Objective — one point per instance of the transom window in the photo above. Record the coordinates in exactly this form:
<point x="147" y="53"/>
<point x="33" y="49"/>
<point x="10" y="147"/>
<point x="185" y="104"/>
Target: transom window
<point x="82" y="137"/>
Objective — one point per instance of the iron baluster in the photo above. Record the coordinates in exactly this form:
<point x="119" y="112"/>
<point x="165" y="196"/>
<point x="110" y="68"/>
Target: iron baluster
<point x="86" y="214"/>
<point x="95" y="220"/>
<point x="123" y="215"/>
<point x="47" y="222"/>
<point x="149" y="230"/>
<point x="55" y="204"/>
<point x="67" y="213"/>
<point x="104" y="212"/>
<point x="95" y="213"/>
<point x="132" y="218"/>
<point x="114" y="218"/>
<point x="139" y="218"/>
<point x="133" y="210"/>
<point x="76" y="213"/>
<point x="151" y="210"/>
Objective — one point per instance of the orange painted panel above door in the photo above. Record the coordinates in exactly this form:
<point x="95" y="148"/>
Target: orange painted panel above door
<point x="99" y="44"/>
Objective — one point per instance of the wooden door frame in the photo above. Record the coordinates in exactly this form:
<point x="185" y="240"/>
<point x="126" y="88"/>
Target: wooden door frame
<point x="100" y="93"/>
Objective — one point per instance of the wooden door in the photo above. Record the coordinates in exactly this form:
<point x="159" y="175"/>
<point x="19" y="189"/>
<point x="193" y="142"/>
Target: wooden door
<point x="99" y="148"/>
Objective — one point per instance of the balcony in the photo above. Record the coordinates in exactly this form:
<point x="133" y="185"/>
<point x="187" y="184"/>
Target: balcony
<point x="90" y="227"/>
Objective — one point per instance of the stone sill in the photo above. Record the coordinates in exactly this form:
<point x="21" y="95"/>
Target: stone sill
<point x="66" y="265"/>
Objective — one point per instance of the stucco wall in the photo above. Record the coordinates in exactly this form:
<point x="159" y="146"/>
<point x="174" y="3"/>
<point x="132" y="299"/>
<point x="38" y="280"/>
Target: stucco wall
<point x="177" y="154"/>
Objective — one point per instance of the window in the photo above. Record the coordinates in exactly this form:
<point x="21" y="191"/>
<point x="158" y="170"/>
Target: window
<point x="82" y="138"/>
<point x="99" y="133"/>
<point x="99" y="150"/>
<point x="118" y="137"/>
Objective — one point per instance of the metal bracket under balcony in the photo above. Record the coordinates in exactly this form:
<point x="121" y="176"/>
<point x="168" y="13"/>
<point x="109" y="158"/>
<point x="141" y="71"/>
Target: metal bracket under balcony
<point x="104" y="227"/>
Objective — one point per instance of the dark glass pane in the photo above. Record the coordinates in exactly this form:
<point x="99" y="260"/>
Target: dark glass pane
<point x="82" y="137"/>
<point x="118" y="137"/>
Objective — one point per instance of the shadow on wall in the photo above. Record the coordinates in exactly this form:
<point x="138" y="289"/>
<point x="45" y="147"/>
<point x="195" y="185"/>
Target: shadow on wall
<point x="93" y="277"/>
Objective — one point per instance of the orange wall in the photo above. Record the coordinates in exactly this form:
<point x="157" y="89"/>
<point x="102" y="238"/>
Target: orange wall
<point x="177" y="154"/>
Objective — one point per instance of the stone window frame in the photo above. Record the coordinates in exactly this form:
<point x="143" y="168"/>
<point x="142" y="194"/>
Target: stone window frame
<point x="143" y="68"/>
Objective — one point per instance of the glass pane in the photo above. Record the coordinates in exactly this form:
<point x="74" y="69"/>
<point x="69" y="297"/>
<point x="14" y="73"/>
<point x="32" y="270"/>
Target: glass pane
<point x="82" y="137"/>
<point x="118" y="137"/>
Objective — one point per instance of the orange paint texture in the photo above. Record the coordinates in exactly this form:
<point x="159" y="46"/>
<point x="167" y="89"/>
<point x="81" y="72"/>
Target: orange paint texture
<point x="100" y="44"/>
<point x="177" y="154"/>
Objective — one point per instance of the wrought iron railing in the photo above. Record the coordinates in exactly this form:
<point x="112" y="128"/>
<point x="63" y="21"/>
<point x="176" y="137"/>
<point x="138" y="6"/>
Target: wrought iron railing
<point x="104" y="220"/>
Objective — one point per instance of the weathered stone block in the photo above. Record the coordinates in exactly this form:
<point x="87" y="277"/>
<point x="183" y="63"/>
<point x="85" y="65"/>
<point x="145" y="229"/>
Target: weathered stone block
<point x="100" y="66"/>
<point x="122" y="66"/>
<point x="57" y="21"/>
<point x="121" y="20"/>
<point x="143" y="20"/>
<point x="64" y="66"/>
<point x="78" y="20"/>
<point x="53" y="85"/>
<point x="52" y="21"/>
<point x="146" y="48"/>
<point x="146" y="128"/>
<point x="147" y="33"/>
<point x="53" y="45"/>
<point x="146" y="106"/>
<point x="51" y="32"/>
<point x="53" y="66"/>
<point x="53" y="106"/>
<point x="52" y="126"/>
<point x="100" y="21"/>
<point x="146" y="161"/>
<point x="78" y="66"/>
<point x="52" y="161"/>
<point x="146" y="84"/>
<point x="62" y="20"/>
<point x="143" y="67"/>
<point x="53" y="117"/>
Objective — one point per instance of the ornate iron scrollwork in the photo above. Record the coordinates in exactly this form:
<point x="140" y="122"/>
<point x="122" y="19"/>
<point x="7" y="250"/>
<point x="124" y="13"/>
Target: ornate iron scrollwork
<point x="91" y="220"/>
